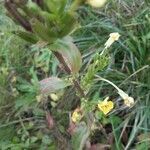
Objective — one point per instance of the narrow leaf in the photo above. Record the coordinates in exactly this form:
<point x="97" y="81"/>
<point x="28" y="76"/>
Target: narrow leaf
<point x="42" y="31"/>
<point x="27" y="36"/>
<point x="68" y="19"/>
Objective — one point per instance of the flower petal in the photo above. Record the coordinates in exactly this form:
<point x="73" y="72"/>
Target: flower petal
<point x="106" y="107"/>
<point x="112" y="38"/>
<point x="129" y="101"/>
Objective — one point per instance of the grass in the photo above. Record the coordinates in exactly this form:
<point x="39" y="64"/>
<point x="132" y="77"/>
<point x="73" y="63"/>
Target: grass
<point x="129" y="68"/>
<point x="130" y="58"/>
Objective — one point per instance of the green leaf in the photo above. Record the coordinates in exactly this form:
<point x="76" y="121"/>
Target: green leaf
<point x="62" y="6"/>
<point x="142" y="146"/>
<point x="33" y="139"/>
<point x="27" y="87"/>
<point x="27" y="36"/>
<point x="31" y="8"/>
<point x="80" y="137"/>
<point x="52" y="84"/>
<point x="115" y="120"/>
<point x="53" y="5"/>
<point x="50" y="19"/>
<point x="38" y="13"/>
<point x="68" y="23"/>
<point x="46" y="140"/>
<point x="42" y="31"/>
<point x="24" y="101"/>
<point x="69" y="52"/>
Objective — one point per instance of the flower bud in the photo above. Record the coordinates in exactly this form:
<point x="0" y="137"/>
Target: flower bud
<point x="96" y="3"/>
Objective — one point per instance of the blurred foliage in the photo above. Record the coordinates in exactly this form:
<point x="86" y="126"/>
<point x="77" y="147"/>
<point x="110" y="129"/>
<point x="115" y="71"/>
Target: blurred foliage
<point x="46" y="20"/>
<point x="23" y="124"/>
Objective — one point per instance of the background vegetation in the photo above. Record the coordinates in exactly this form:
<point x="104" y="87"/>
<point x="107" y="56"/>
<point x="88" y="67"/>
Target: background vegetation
<point x="22" y="119"/>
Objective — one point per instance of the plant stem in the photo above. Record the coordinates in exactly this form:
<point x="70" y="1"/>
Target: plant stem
<point x="67" y="69"/>
<point x="15" y="13"/>
<point x="62" y="61"/>
<point x="78" y="87"/>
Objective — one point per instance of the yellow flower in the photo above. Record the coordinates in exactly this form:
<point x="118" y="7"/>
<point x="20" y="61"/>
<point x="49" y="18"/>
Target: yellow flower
<point x="112" y="38"/>
<point x="106" y="106"/>
<point x="96" y="3"/>
<point x="76" y="115"/>
<point x="128" y="101"/>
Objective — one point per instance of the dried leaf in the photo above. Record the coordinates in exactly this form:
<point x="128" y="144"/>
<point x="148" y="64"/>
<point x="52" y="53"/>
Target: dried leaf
<point x="52" y="84"/>
<point x="70" y="53"/>
<point x="50" y="120"/>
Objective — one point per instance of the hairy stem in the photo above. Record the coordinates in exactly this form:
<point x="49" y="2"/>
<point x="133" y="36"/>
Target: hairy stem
<point x="78" y="87"/>
<point x="67" y="69"/>
<point x="11" y="8"/>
